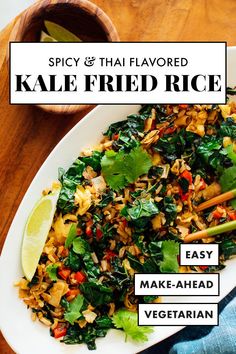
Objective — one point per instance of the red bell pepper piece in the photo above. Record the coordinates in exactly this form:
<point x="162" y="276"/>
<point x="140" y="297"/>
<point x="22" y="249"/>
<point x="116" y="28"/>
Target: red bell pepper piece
<point x="64" y="273"/>
<point x="187" y="175"/>
<point x="88" y="229"/>
<point x="59" y="331"/>
<point x="232" y="215"/>
<point x="170" y="130"/>
<point x="71" y="292"/>
<point x="115" y="136"/>
<point x="109" y="255"/>
<point x="202" y="184"/>
<point x="203" y="267"/>
<point x="218" y="212"/>
<point x="99" y="233"/>
<point x="80" y="277"/>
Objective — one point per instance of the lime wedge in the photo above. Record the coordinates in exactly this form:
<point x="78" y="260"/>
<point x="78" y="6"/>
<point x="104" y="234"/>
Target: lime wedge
<point x="36" y="231"/>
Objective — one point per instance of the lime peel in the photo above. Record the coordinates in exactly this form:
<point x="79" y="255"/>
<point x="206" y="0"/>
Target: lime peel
<point x="36" y="231"/>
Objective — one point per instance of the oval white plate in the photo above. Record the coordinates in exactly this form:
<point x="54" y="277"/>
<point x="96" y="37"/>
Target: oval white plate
<point x="27" y="337"/>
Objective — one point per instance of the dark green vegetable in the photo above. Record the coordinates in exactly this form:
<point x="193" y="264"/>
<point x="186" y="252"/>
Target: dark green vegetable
<point x="228" y="248"/>
<point x="106" y="199"/>
<point x="169" y="209"/>
<point x="94" y="161"/>
<point x="71" y="235"/>
<point x="69" y="181"/>
<point x="97" y="294"/>
<point x="87" y="335"/>
<point x="73" y="261"/>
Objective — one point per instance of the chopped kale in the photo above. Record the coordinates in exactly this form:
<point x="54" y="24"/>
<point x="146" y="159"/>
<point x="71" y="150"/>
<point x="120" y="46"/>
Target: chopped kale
<point x="97" y="294"/>
<point x="94" y="161"/>
<point x="69" y="181"/>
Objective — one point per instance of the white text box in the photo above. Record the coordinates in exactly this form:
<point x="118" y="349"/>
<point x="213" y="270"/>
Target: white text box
<point x="117" y="73"/>
<point x="178" y="314"/>
<point x="182" y="284"/>
<point x="199" y="254"/>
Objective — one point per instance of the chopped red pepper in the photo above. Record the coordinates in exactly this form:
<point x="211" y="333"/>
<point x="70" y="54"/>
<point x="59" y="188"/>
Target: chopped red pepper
<point x="153" y="126"/>
<point x="59" y="331"/>
<point x="170" y="130"/>
<point x="115" y="136"/>
<point x="80" y="277"/>
<point x="99" y="233"/>
<point x="88" y="229"/>
<point x="203" y="267"/>
<point x="232" y="215"/>
<point x="79" y="232"/>
<point x="109" y="255"/>
<point x="183" y="106"/>
<point x="218" y="212"/>
<point x="183" y="196"/>
<point x="125" y="223"/>
<point x="202" y="184"/>
<point x="71" y="292"/>
<point x="187" y="175"/>
<point x="64" y="273"/>
<point x="65" y="252"/>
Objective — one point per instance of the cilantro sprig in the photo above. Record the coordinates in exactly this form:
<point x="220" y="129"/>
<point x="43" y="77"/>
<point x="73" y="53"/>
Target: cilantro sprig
<point x="120" y="169"/>
<point x="73" y="311"/>
<point x="170" y="251"/>
<point x="128" y="321"/>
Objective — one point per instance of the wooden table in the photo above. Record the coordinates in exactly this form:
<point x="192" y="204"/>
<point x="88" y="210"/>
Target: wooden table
<point x="27" y="134"/>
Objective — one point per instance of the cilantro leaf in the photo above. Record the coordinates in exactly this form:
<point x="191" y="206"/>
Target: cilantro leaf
<point x="228" y="179"/>
<point x="170" y="250"/>
<point x="137" y="163"/>
<point x="128" y="321"/>
<point x="113" y="169"/>
<point x="73" y="312"/>
<point x="52" y="271"/>
<point x="71" y="235"/>
<point x="120" y="169"/>
<point x="80" y="246"/>
<point x="231" y="154"/>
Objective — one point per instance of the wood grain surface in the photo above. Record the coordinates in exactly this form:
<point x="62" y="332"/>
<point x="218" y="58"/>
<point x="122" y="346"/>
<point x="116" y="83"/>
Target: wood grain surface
<point x="27" y="134"/>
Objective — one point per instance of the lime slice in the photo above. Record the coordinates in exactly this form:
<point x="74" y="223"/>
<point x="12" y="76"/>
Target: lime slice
<point x="36" y="231"/>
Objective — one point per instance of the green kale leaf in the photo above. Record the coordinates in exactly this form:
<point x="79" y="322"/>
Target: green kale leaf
<point x="97" y="294"/>
<point x="94" y="161"/>
<point x="69" y="181"/>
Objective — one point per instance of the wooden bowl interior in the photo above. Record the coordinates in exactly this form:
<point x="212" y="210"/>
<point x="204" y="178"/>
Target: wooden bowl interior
<point x="86" y="25"/>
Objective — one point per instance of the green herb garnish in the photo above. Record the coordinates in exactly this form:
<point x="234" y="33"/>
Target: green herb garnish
<point x="128" y="321"/>
<point x="120" y="169"/>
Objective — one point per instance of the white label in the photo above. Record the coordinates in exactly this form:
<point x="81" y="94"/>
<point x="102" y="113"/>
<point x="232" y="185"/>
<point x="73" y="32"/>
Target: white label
<point x="178" y="314"/>
<point x="117" y="73"/>
<point x="199" y="254"/>
<point x="182" y="284"/>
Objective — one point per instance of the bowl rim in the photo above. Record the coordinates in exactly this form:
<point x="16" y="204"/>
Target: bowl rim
<point x="103" y="19"/>
<point x="94" y="10"/>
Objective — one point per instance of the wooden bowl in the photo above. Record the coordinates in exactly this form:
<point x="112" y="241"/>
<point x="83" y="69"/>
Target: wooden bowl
<point x="81" y="17"/>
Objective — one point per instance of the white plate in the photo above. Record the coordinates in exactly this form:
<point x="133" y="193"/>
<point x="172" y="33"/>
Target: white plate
<point x="27" y="337"/>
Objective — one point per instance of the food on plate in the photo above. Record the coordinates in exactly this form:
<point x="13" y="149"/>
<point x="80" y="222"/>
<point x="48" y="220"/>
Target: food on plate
<point x="124" y="207"/>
